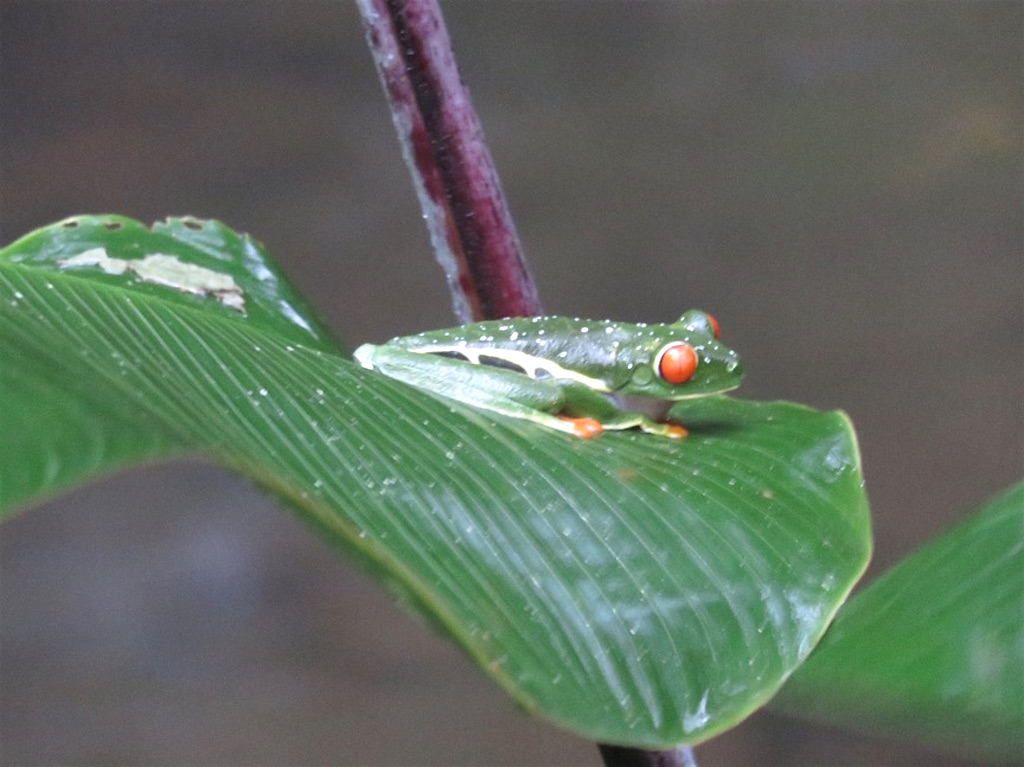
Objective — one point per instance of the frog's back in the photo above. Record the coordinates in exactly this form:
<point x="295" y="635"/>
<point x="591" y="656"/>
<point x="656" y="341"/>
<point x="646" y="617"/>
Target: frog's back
<point x="565" y="340"/>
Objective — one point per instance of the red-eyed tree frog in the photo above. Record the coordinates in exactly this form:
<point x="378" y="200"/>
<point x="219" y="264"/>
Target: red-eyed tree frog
<point x="574" y="375"/>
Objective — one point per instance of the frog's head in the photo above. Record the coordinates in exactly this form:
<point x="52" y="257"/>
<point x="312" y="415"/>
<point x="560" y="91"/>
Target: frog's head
<point x="679" y="360"/>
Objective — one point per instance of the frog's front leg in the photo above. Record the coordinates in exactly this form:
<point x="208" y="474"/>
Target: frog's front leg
<point x="581" y="401"/>
<point x="645" y="414"/>
<point x="661" y="428"/>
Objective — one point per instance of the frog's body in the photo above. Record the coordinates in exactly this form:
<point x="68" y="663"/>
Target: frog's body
<point x="563" y="372"/>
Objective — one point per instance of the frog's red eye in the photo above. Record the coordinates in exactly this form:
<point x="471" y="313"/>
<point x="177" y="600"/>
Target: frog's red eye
<point x="677" y="363"/>
<point x="714" y="324"/>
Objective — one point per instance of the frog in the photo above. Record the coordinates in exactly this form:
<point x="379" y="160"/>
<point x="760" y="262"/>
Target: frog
<point x="574" y="375"/>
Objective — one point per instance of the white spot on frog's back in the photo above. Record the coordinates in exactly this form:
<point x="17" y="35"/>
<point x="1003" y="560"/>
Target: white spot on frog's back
<point x="169" y="271"/>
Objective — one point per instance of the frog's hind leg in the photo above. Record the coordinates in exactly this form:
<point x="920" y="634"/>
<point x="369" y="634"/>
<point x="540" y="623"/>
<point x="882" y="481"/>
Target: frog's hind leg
<point x="489" y="388"/>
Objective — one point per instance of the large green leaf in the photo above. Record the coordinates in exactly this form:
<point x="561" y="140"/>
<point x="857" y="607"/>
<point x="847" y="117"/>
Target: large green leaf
<point x="634" y="589"/>
<point x="934" y="649"/>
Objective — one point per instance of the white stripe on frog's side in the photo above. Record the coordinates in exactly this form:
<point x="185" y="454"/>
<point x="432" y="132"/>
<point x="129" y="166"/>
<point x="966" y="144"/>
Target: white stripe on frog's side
<point x="532" y="365"/>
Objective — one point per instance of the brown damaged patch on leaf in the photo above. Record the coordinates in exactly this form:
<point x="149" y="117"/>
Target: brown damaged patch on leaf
<point x="161" y="269"/>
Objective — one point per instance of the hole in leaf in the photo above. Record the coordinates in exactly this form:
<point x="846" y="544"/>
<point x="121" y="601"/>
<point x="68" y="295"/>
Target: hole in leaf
<point x="112" y="226"/>
<point x="70" y="224"/>
<point x="192" y="224"/>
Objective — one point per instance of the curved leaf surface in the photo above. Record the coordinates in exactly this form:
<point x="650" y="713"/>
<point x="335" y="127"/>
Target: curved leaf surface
<point x="634" y="589"/>
<point x="56" y="430"/>
<point x="54" y="433"/>
<point x="934" y="649"/>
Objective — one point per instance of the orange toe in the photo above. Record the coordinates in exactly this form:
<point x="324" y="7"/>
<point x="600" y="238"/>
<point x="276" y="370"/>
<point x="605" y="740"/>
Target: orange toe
<point x="674" y="431"/>
<point x="584" y="428"/>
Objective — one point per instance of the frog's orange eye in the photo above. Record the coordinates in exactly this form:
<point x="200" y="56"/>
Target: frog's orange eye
<point x="677" y="363"/>
<point x="714" y="324"/>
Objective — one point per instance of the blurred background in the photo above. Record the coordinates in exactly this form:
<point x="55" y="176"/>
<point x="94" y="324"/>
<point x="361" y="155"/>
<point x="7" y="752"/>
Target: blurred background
<point x="840" y="183"/>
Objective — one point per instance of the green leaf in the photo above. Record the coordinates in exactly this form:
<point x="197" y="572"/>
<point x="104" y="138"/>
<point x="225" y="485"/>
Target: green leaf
<point x="57" y="429"/>
<point x="934" y="649"/>
<point x="634" y="589"/>
<point x="54" y="433"/>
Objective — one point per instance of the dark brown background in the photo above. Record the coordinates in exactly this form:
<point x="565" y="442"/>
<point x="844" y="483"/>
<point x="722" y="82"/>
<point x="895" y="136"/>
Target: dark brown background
<point x="840" y="183"/>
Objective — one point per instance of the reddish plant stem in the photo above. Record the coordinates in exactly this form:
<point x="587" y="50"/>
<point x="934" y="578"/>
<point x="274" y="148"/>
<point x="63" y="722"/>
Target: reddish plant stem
<point x="470" y="228"/>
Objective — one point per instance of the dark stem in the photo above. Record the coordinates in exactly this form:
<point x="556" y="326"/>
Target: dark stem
<point x="470" y="228"/>
<point x="621" y="756"/>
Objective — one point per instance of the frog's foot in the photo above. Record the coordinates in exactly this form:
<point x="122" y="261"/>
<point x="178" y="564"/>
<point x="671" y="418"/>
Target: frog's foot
<point x="663" y="429"/>
<point x="584" y="428"/>
<point x="674" y="431"/>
